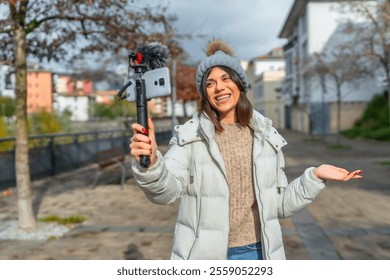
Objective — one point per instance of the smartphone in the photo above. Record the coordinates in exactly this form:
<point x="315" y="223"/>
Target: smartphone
<point x="157" y="84"/>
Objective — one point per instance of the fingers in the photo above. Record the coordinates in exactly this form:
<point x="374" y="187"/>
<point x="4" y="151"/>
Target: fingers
<point x="357" y="174"/>
<point x="143" y="142"/>
<point x="138" y="137"/>
<point x="137" y="128"/>
<point x="353" y="175"/>
<point x="151" y="130"/>
<point x="140" y="142"/>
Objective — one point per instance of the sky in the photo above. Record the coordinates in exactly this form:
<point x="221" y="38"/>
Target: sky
<point x="250" y="27"/>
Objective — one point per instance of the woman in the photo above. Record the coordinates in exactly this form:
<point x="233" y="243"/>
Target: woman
<point x="227" y="168"/>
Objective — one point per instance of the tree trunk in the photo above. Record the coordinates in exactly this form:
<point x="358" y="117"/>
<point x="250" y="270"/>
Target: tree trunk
<point x="23" y="181"/>
<point x="338" y="115"/>
<point x="323" y="114"/>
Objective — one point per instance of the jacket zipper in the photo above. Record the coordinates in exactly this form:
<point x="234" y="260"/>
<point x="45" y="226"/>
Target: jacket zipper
<point x="192" y="178"/>
<point x="260" y="204"/>
<point x="260" y="208"/>
<point x="228" y="191"/>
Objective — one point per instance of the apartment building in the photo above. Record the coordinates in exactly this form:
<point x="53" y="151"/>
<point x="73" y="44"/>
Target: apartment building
<point x="313" y="26"/>
<point x="73" y="95"/>
<point x="7" y="80"/>
<point x="39" y="87"/>
<point x="39" y="91"/>
<point x="265" y="75"/>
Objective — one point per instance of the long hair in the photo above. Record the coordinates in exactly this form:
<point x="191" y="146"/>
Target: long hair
<point x="244" y="109"/>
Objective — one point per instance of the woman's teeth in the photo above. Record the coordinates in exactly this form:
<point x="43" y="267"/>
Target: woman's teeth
<point x="223" y="97"/>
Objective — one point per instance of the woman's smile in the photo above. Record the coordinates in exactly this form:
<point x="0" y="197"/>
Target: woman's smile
<point x="223" y="98"/>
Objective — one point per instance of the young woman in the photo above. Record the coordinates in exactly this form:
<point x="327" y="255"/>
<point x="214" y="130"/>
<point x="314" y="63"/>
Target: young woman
<point x="227" y="167"/>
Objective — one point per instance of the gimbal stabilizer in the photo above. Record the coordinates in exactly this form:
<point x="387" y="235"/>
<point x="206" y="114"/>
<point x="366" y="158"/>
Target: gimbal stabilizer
<point x="148" y="78"/>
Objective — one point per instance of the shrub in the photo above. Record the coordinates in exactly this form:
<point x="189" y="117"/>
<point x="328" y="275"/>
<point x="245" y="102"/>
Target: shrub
<point x="374" y="123"/>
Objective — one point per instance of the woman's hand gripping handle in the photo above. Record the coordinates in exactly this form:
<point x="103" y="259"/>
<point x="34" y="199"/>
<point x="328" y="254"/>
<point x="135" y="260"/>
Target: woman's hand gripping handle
<point x="143" y="143"/>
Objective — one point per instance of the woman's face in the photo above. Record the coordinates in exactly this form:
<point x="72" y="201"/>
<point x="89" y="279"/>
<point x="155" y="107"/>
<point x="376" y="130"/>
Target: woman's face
<point x="223" y="94"/>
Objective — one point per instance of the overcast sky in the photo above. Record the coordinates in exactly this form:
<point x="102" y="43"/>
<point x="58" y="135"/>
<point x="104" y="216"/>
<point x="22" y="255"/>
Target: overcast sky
<point x="250" y="27"/>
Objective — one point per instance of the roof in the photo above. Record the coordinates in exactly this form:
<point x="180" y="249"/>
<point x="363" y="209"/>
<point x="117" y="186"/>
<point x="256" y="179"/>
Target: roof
<point x="297" y="9"/>
<point x="274" y="54"/>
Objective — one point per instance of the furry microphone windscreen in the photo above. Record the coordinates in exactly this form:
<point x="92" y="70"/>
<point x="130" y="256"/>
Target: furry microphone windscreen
<point x="154" y="55"/>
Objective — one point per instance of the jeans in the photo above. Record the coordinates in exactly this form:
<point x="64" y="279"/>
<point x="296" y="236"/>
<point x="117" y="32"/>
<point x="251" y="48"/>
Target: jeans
<point x="247" y="252"/>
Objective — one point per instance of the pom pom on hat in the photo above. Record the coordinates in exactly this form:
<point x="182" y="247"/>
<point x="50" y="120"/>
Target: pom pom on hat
<point x="220" y="54"/>
<point x="218" y="45"/>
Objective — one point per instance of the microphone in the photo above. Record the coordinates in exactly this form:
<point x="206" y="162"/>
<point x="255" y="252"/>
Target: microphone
<point x="153" y="55"/>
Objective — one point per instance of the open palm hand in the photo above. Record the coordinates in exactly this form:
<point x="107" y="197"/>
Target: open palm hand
<point x="330" y="172"/>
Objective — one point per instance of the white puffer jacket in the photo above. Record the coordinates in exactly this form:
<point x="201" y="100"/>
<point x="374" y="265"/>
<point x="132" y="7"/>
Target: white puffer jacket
<point x="193" y="170"/>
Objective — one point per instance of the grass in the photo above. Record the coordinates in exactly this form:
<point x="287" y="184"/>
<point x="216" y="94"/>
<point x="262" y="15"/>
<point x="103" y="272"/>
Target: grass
<point x="386" y="163"/>
<point x="76" y="219"/>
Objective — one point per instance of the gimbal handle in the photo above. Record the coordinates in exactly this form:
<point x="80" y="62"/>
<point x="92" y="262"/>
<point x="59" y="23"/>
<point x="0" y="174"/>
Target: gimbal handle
<point x="142" y="109"/>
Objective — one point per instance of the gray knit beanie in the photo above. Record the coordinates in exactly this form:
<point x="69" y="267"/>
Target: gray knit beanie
<point x="220" y="54"/>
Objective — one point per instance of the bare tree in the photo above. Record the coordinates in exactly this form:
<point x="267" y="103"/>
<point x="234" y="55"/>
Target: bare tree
<point x="339" y="66"/>
<point x="185" y="84"/>
<point x="66" y="30"/>
<point x="374" y="35"/>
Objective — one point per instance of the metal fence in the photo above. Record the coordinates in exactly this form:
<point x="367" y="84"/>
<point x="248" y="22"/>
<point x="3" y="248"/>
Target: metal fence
<point x="52" y="154"/>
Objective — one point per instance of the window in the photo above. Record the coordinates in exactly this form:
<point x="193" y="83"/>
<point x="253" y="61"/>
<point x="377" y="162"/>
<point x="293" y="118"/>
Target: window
<point x="288" y="64"/>
<point x="258" y="93"/>
<point x="303" y="23"/>
<point x="304" y="49"/>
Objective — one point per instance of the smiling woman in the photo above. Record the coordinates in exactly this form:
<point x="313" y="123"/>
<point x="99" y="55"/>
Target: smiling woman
<point x="227" y="167"/>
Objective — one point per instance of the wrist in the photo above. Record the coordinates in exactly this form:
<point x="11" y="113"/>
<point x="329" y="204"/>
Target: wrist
<point x="314" y="175"/>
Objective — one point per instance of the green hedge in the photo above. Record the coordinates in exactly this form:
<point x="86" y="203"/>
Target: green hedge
<point x="374" y="123"/>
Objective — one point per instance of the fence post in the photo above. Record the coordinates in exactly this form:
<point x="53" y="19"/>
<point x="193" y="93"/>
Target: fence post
<point x="52" y="156"/>
<point x="96" y="143"/>
<point x="77" y="150"/>
<point x="111" y="139"/>
<point x="126" y="143"/>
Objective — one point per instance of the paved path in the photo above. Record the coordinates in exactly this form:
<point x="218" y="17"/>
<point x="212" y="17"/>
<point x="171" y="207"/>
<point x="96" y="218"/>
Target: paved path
<point x="348" y="220"/>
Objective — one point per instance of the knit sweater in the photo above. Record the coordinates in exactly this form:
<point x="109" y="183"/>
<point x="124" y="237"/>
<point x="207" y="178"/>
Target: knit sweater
<point x="235" y="144"/>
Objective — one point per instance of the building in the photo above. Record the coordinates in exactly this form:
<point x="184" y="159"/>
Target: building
<point x="66" y="84"/>
<point x="313" y="26"/>
<point x="39" y="87"/>
<point x="73" y="95"/>
<point x="105" y="96"/>
<point x="265" y="75"/>
<point x="7" y="81"/>
<point x="39" y="91"/>
<point x="48" y="91"/>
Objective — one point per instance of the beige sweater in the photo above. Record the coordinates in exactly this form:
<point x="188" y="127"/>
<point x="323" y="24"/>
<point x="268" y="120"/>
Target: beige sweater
<point x="235" y="144"/>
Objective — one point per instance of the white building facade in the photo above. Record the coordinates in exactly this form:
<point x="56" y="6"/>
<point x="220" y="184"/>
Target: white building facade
<point x="265" y="75"/>
<point x="312" y="27"/>
<point x="7" y="81"/>
<point x="77" y="105"/>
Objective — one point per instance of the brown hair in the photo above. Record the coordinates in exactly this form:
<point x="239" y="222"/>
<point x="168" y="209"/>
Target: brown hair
<point x="244" y="109"/>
